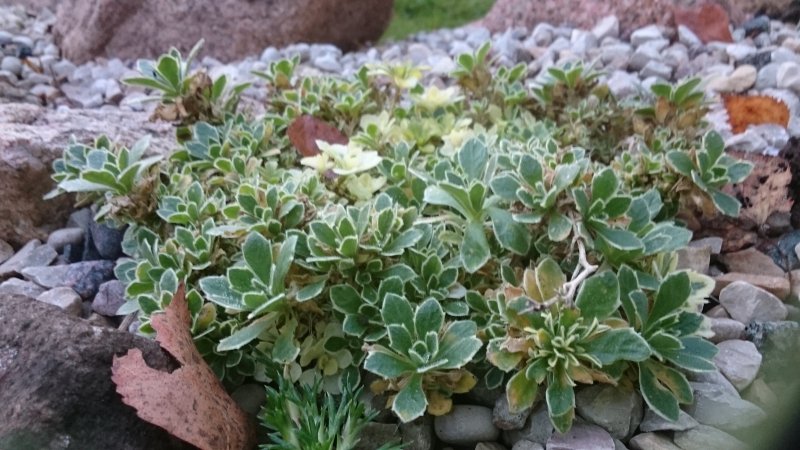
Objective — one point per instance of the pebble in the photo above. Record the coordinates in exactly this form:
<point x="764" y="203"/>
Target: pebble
<point x="705" y="438"/>
<point x="645" y="34"/>
<point x="110" y="296"/>
<point x="527" y="445"/>
<point x="15" y="286"/>
<point x="466" y="425"/>
<point x="788" y="77"/>
<point x="712" y="242"/>
<point x="607" y="27"/>
<point x="418" y="434"/>
<point x="65" y="236"/>
<point x="751" y="261"/>
<point x="739" y="361"/>
<point x="768" y="76"/>
<point x="738" y="52"/>
<point x="746" y="303"/>
<point x="582" y="436"/>
<point x="64" y="298"/>
<point x="652" y="441"/>
<point x="538" y="428"/>
<point x="106" y="240"/>
<point x="6" y="251"/>
<point x="375" y="435"/>
<point x="504" y="419"/>
<point x="617" y="410"/>
<point x="11" y="64"/>
<point x="654" y="422"/>
<point x="715" y="405"/>
<point x="32" y="254"/>
<point x="756" y="25"/>
<point x="777" y="286"/>
<point x="84" y="277"/>
<point x="694" y="258"/>
<point x="687" y="37"/>
<point x="725" y="329"/>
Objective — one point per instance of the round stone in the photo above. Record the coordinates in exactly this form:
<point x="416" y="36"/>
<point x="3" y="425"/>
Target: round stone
<point x="466" y="425"/>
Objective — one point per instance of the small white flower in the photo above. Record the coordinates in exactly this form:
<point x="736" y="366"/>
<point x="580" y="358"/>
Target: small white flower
<point x="343" y="159"/>
<point x="433" y="97"/>
<point x="364" y="186"/>
<point x="321" y="163"/>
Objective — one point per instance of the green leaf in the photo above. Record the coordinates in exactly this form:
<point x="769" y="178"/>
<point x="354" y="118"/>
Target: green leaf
<point x="475" y="251"/>
<point x="473" y="157"/>
<point x="219" y="291"/>
<point x="681" y="162"/>
<point x="502" y="359"/>
<point x="387" y="364"/>
<point x="169" y="69"/>
<point x="453" y="196"/>
<point x="598" y="296"/>
<point x="410" y="402"/>
<point x="620" y="239"/>
<point x="671" y="296"/>
<point x="258" y="256"/>
<point x="459" y="344"/>
<point x="714" y="146"/>
<point x="505" y="186"/>
<point x="559" y="227"/>
<point x="726" y="204"/>
<point x="549" y="278"/>
<point x="78" y="185"/>
<point x="697" y="355"/>
<point x="310" y="291"/>
<point x="400" y="339"/>
<point x="345" y="299"/>
<point x="675" y="381"/>
<point x="509" y="233"/>
<point x="397" y="310"/>
<point x="604" y="184"/>
<point x="282" y="264"/>
<point x="565" y="175"/>
<point x="659" y="398"/>
<point x="686" y="88"/>
<point x="244" y="336"/>
<point x="560" y="402"/>
<point x="521" y="392"/>
<point x="621" y="344"/>
<point x="285" y="350"/>
<point x="429" y="317"/>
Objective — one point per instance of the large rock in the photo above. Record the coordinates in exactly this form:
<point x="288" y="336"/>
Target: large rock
<point x="632" y="14"/>
<point x="31" y="138"/>
<point x="232" y="29"/>
<point x="55" y="383"/>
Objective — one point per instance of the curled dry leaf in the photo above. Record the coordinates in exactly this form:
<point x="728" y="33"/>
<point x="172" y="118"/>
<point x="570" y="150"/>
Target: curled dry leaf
<point x="190" y="403"/>
<point x="746" y="110"/>
<point x="305" y="131"/>
<point x="766" y="190"/>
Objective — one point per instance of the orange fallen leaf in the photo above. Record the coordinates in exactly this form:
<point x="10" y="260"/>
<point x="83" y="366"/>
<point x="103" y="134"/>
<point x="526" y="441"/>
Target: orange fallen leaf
<point x="709" y="22"/>
<point x="305" y="131"/>
<point x="190" y="403"/>
<point x="766" y="190"/>
<point x="746" y="110"/>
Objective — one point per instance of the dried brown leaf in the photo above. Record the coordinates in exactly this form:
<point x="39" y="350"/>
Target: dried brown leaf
<point x="305" y="131"/>
<point x="766" y="190"/>
<point x="746" y="110"/>
<point x="190" y="403"/>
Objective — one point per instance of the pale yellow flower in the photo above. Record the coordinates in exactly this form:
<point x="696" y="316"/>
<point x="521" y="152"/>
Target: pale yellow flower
<point x="433" y="97"/>
<point x="364" y="186"/>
